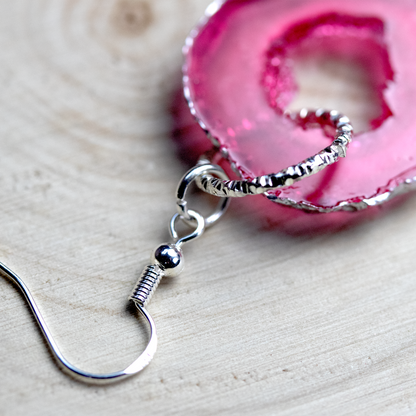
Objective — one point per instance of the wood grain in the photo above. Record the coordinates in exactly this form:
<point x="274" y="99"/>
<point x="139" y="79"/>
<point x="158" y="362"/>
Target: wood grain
<point x="262" y="322"/>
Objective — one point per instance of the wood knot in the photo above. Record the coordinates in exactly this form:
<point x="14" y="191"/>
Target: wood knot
<point x="132" y="17"/>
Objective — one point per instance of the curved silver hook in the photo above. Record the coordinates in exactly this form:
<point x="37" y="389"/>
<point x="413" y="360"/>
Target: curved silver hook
<point x="141" y="362"/>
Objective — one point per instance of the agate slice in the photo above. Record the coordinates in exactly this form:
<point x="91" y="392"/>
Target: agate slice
<point x="239" y="80"/>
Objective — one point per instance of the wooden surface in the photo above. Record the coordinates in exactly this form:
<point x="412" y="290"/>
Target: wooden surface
<point x="261" y="322"/>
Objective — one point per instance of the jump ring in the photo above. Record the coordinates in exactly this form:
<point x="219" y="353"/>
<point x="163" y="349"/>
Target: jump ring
<point x="188" y="178"/>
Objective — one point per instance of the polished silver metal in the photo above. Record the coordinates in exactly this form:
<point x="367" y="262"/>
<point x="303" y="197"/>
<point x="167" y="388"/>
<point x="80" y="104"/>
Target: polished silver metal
<point x="200" y="227"/>
<point x="139" y="364"/>
<point x="167" y="260"/>
<point x="408" y="185"/>
<point x="146" y="285"/>
<point x="193" y="174"/>
<point x="314" y="164"/>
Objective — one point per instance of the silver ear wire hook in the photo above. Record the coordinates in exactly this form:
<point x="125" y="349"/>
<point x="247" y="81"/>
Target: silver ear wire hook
<point x="167" y="260"/>
<point x="141" y="362"/>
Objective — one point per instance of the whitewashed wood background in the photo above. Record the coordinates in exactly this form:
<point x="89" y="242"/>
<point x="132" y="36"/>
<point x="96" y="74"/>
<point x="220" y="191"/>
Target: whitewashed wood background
<point x="261" y="322"/>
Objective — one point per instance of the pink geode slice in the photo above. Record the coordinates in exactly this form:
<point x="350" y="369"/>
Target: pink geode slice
<point x="238" y="81"/>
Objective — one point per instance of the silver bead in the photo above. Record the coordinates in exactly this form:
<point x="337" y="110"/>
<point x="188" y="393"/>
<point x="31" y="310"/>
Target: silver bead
<point x="169" y="258"/>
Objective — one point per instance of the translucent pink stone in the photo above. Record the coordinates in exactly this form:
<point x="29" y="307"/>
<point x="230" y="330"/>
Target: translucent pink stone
<point x="239" y="81"/>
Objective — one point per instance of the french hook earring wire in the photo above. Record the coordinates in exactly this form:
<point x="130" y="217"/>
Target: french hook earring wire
<point x="141" y="362"/>
<point x="166" y="261"/>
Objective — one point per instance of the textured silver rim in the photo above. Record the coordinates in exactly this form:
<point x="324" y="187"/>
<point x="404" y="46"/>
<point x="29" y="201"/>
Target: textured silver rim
<point x="408" y="184"/>
<point x="292" y="174"/>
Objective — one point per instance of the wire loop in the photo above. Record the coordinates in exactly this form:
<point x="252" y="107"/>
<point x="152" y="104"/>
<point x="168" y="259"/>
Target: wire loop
<point x="200" y="227"/>
<point x="189" y="177"/>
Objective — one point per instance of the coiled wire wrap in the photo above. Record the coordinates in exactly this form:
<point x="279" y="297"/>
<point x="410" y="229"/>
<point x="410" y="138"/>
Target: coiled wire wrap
<point x="143" y="291"/>
<point x="146" y="285"/>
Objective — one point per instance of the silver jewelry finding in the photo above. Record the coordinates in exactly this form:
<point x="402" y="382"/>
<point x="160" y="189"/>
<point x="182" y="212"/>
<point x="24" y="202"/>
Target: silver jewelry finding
<point x="261" y="184"/>
<point x="141" y="362"/>
<point x="167" y="260"/>
<point x="203" y="168"/>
